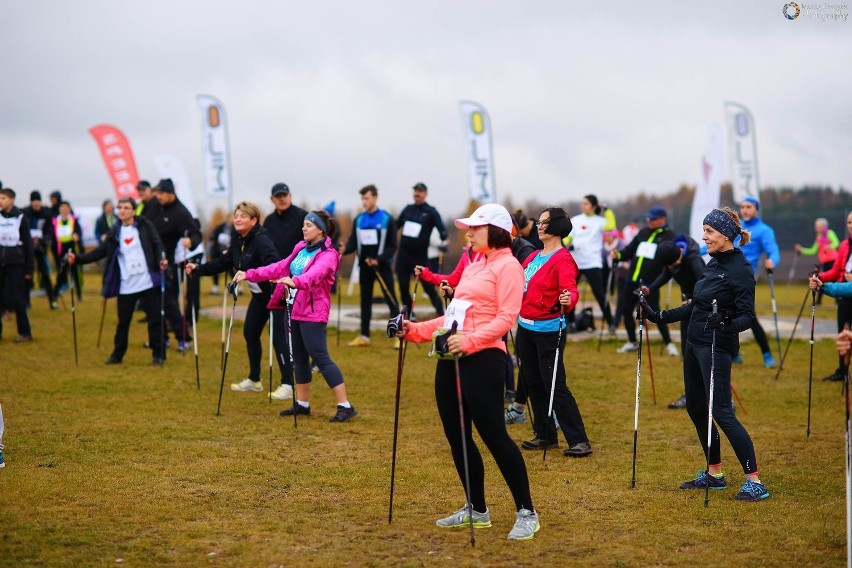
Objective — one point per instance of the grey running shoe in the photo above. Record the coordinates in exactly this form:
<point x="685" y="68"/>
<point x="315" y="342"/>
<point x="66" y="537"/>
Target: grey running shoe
<point x="460" y="519"/>
<point x="514" y="416"/>
<point x="679" y="403"/>
<point x="526" y="525"/>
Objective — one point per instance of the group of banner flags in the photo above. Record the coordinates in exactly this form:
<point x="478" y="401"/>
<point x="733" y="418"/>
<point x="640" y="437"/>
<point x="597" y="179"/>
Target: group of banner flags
<point x="742" y="159"/>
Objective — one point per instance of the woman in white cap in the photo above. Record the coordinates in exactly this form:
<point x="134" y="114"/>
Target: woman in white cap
<point x="485" y="307"/>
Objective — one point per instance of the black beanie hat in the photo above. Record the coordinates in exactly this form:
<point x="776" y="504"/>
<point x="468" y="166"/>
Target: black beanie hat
<point x="35" y="196"/>
<point x="165" y="185"/>
<point x="668" y="253"/>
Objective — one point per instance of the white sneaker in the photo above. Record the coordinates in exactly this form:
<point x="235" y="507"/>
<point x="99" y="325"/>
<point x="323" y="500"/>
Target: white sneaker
<point x="214" y="290"/>
<point x="672" y="349"/>
<point x="526" y="525"/>
<point x="628" y="347"/>
<point x="283" y="392"/>
<point x="247" y="385"/>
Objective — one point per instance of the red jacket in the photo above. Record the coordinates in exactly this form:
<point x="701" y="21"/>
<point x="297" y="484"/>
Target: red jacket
<point x="836" y="272"/>
<point x="542" y="295"/>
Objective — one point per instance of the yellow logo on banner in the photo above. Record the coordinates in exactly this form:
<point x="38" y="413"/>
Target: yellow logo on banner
<point x="477" y="123"/>
<point x="213" y="116"/>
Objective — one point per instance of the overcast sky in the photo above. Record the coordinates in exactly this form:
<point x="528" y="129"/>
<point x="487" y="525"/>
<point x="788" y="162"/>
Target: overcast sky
<point x="611" y="98"/>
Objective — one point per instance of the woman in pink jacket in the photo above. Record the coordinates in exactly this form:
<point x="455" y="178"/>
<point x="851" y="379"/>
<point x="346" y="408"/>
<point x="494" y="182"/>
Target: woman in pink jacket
<point x="308" y="274"/>
<point x="485" y="306"/>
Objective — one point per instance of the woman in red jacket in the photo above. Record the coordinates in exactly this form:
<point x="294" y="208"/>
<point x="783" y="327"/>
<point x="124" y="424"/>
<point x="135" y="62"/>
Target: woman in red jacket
<point x="841" y="271"/>
<point x="550" y="288"/>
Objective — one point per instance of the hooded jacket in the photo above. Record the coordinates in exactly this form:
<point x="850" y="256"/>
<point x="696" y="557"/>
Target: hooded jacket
<point x="313" y="299"/>
<point x="762" y="241"/>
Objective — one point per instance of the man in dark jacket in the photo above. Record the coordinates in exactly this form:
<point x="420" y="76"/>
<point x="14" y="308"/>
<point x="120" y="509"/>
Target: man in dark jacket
<point x="415" y="224"/>
<point x="173" y="223"/>
<point x="644" y="267"/>
<point x="16" y="263"/>
<point x="284" y="225"/>
<point x="41" y="231"/>
<point x="133" y="273"/>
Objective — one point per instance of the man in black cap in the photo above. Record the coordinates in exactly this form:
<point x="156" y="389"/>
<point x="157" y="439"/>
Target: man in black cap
<point x="173" y="223"/>
<point x="416" y="223"/>
<point x="284" y="225"/>
<point x="55" y="202"/>
<point x="16" y="263"/>
<point x="644" y="268"/>
<point x="147" y="205"/>
<point x="41" y="231"/>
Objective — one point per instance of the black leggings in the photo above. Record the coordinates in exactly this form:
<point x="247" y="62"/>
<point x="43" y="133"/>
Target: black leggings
<point x="595" y="278"/>
<point x="537" y="352"/>
<point x="696" y="377"/>
<point x="256" y="318"/>
<point x="482" y="400"/>
<point x="126" y="304"/>
<point x="367" y="277"/>
<point x="309" y="340"/>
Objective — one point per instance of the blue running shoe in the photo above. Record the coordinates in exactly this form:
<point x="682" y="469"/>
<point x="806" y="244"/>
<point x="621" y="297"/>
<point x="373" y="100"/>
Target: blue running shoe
<point x="768" y="360"/>
<point x="702" y="480"/>
<point x="738" y="359"/>
<point x="752" y="491"/>
<point x="2" y="463"/>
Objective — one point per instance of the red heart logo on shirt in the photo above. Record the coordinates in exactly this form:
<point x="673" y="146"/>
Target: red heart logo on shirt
<point x="128" y="240"/>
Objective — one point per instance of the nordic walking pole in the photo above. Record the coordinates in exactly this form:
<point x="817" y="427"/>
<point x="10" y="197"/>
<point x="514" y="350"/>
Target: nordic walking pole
<point x="650" y="361"/>
<point x="288" y="307"/>
<point x="182" y="297"/>
<point x="232" y="288"/>
<point x="603" y="317"/>
<point x="737" y="397"/>
<point x="848" y="445"/>
<point x="770" y="274"/>
<point x="792" y="272"/>
<point x="811" y="364"/>
<point x="73" y="314"/>
<point x="662" y="345"/>
<point x="270" y="357"/>
<point x="795" y="326"/>
<point x="399" y="363"/>
<point x="710" y="407"/>
<point x="163" y="308"/>
<point x="464" y="440"/>
<point x="195" y="348"/>
<point x="641" y="317"/>
<point x="224" y="311"/>
<point x="383" y="285"/>
<point x="101" y="328"/>
<point x="553" y="379"/>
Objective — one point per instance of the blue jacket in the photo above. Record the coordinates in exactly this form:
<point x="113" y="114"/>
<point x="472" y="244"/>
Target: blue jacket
<point x="762" y="241"/>
<point x="837" y="289"/>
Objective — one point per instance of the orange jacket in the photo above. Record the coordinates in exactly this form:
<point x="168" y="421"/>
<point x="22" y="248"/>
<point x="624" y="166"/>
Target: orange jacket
<point x="494" y="285"/>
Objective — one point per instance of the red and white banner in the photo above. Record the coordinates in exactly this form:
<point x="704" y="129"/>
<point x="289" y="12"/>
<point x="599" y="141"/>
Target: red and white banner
<point x="708" y="188"/>
<point x="118" y="159"/>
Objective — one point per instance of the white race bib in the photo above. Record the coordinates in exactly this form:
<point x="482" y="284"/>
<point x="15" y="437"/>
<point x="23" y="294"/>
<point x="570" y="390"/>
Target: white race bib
<point x="36" y="234"/>
<point x="411" y="229"/>
<point x="456" y="312"/>
<point x="224" y="240"/>
<point x="368" y="236"/>
<point x="64" y="231"/>
<point x="848" y="267"/>
<point x="647" y="250"/>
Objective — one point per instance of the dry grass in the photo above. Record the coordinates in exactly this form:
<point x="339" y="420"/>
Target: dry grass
<point x="132" y="464"/>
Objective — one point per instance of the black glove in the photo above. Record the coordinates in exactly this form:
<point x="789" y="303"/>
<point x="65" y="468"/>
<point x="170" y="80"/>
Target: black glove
<point x="394" y="325"/>
<point x="718" y="322"/>
<point x="232" y="288"/>
<point x="441" y="342"/>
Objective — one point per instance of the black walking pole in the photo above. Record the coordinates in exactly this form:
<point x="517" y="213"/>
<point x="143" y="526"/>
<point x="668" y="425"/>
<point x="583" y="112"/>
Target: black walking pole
<point x="770" y="274"/>
<point x="640" y="315"/>
<point x="391" y="332"/>
<point x="603" y="316"/>
<point x="650" y="360"/>
<point x="288" y="306"/>
<point x="270" y="357"/>
<point x="73" y="314"/>
<point x="232" y="288"/>
<point x="163" y="311"/>
<point x="101" y="328"/>
<point x="811" y="364"/>
<point x="464" y="440"/>
<point x="383" y="285"/>
<point x="195" y="348"/>
<point x="710" y="408"/>
<point x="553" y="380"/>
<point x="795" y="326"/>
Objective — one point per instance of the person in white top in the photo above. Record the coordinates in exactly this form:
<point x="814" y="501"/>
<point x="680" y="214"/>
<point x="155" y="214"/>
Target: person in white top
<point x="587" y="244"/>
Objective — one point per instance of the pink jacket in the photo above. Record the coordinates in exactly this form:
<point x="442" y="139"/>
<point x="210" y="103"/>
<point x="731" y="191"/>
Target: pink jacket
<point x="313" y="300"/>
<point x="494" y="285"/>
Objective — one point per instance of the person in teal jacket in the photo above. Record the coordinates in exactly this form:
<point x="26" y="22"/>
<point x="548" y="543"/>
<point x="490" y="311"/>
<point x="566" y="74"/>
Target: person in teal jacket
<point x="762" y="242"/>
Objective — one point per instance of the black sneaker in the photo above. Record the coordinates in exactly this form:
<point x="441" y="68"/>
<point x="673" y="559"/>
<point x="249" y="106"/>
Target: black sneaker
<point x="539" y="444"/>
<point x="679" y="403"/>
<point x="835" y="377"/>
<point x="578" y="450"/>
<point x="343" y="414"/>
<point x="302" y="410"/>
<point x="157" y="362"/>
<point x="702" y="480"/>
<point x="112" y="360"/>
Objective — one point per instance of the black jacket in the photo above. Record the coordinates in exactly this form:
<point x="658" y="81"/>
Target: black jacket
<point x="428" y="218"/>
<point x="285" y="229"/>
<point x="152" y="246"/>
<point x="688" y="270"/>
<point x="252" y="251"/>
<point x="174" y="222"/>
<point x="21" y="253"/>
<point x="40" y="220"/>
<point x="642" y="268"/>
<point x="729" y="279"/>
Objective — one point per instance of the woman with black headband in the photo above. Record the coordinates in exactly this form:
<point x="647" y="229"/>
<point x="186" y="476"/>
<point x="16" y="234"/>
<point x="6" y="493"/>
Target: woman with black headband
<point x="305" y="279"/>
<point x="729" y="282"/>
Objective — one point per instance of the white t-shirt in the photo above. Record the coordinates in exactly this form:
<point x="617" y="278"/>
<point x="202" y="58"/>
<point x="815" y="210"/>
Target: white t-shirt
<point x="587" y="238"/>
<point x="131" y="262"/>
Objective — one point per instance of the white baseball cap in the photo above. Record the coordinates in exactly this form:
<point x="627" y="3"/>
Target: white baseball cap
<point x="488" y="214"/>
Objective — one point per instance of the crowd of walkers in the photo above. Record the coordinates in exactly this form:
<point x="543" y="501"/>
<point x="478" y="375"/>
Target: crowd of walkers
<point x="516" y="284"/>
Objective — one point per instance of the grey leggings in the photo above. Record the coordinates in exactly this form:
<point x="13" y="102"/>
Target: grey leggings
<point x="309" y="341"/>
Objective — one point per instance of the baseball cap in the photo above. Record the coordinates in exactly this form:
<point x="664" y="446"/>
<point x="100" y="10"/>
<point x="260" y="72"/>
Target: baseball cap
<point x="165" y="185"/>
<point x="280" y="188"/>
<point x="655" y="212"/>
<point x="420" y="186"/>
<point x="143" y="184"/>
<point x="488" y="214"/>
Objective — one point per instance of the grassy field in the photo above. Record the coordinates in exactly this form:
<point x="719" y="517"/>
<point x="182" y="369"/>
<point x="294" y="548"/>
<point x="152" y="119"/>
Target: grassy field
<point x="131" y="466"/>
